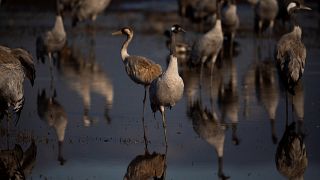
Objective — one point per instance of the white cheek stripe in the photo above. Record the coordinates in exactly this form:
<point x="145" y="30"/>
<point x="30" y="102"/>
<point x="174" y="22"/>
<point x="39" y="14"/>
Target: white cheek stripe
<point x="291" y="5"/>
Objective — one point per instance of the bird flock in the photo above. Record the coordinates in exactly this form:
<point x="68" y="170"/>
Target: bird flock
<point x="165" y="86"/>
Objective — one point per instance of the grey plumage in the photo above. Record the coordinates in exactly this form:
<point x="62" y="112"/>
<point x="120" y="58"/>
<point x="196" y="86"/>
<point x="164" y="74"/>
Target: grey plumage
<point x="87" y="9"/>
<point x="140" y="69"/>
<point x="15" y="65"/>
<point x="52" y="41"/>
<point x="208" y="45"/>
<point x="167" y="89"/>
<point x="290" y="57"/>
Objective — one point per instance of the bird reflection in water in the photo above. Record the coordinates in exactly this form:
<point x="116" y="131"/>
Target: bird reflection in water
<point x="261" y="81"/>
<point x="228" y="98"/>
<point x="51" y="111"/>
<point x="16" y="163"/>
<point x="291" y="155"/>
<point x="84" y="75"/>
<point x="268" y="91"/>
<point x="147" y="166"/>
<point x="207" y="125"/>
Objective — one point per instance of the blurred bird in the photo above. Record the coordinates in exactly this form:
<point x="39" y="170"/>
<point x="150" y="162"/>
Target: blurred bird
<point x="52" y="41"/>
<point x="87" y="9"/>
<point x="15" y="65"/>
<point x="208" y="45"/>
<point x="140" y="69"/>
<point x="230" y="20"/>
<point x="167" y="89"/>
<point x="265" y="14"/>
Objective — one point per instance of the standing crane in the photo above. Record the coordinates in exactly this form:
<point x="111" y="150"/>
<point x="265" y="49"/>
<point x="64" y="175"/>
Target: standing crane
<point x="140" y="69"/>
<point x="167" y="89"/>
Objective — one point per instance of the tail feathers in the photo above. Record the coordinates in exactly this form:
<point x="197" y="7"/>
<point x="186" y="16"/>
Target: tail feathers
<point x="26" y="60"/>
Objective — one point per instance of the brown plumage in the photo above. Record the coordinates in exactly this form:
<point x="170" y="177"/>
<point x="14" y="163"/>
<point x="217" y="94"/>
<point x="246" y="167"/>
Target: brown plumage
<point x="291" y="156"/>
<point x="140" y="69"/>
<point x="291" y="57"/>
<point x="15" y="65"/>
<point x="146" y="166"/>
<point x="16" y="163"/>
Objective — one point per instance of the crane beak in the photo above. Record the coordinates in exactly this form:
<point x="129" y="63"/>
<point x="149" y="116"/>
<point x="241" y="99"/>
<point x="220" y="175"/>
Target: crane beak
<point x="184" y="31"/>
<point x="305" y="7"/>
<point x="116" y="33"/>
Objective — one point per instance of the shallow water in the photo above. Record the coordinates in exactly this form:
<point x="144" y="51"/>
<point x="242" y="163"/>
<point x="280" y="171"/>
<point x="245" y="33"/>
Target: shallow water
<point x="103" y="130"/>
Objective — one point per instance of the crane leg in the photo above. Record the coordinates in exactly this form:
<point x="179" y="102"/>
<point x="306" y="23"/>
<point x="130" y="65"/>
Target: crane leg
<point x="144" y="135"/>
<point x="51" y="65"/>
<point x="144" y="99"/>
<point x="273" y="131"/>
<point x="164" y="125"/>
<point x="286" y="108"/>
<point x="200" y="82"/>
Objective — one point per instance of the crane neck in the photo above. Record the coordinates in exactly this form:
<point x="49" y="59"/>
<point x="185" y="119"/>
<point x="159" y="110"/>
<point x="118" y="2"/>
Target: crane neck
<point x="124" y="49"/>
<point x="173" y="65"/>
<point x="173" y="44"/>
<point x="218" y="5"/>
<point x="58" y="26"/>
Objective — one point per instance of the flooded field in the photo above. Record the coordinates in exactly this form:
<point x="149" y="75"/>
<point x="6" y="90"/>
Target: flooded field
<point x="84" y="120"/>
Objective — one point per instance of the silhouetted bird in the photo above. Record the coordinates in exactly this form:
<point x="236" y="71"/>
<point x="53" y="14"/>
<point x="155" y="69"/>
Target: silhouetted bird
<point x="265" y="14"/>
<point x="52" y="41"/>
